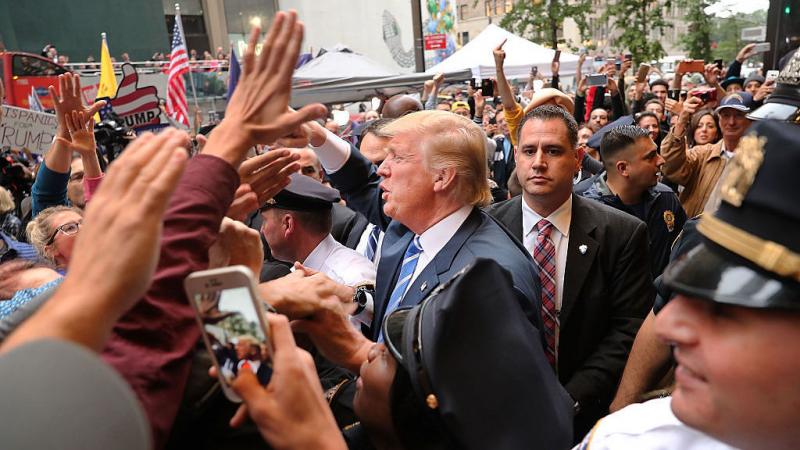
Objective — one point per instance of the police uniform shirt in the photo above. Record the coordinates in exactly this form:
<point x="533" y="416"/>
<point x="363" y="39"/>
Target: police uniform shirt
<point x="343" y="265"/>
<point x="647" y="426"/>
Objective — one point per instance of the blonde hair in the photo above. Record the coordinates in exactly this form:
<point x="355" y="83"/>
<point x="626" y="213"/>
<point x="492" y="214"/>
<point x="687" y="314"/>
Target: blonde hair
<point x="450" y="141"/>
<point x="41" y="227"/>
<point x="6" y="201"/>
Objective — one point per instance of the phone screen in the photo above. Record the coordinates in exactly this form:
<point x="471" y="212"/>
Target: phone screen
<point x="235" y="337"/>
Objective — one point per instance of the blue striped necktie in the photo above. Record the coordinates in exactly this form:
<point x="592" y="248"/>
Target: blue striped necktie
<point x="404" y="280"/>
<point x="372" y="243"/>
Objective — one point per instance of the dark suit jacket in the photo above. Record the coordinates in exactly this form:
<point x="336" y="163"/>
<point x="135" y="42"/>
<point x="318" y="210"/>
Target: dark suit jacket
<point x="478" y="236"/>
<point x="608" y="291"/>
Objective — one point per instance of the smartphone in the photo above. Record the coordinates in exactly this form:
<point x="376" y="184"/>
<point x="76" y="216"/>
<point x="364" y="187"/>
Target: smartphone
<point x="718" y="63"/>
<point x="473" y="83"/>
<point x="599" y="62"/>
<point x="691" y="66"/>
<point x="761" y="47"/>
<point x="771" y="75"/>
<point x="628" y="56"/>
<point x="706" y="94"/>
<point x="487" y="87"/>
<point x="597" y="79"/>
<point x="233" y="323"/>
<point x="674" y="94"/>
<point x="618" y="65"/>
<point x="557" y="56"/>
<point x="534" y="70"/>
<point x="641" y="76"/>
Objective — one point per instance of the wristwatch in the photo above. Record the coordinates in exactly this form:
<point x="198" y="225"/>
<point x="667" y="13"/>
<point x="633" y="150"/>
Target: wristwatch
<point x="364" y="292"/>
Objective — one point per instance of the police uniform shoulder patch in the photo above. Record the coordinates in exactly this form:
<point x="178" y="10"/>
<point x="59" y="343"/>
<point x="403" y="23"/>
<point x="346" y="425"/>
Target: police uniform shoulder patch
<point x="744" y="165"/>
<point x="669" y="220"/>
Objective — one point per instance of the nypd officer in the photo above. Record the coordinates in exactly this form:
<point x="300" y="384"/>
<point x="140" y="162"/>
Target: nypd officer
<point x="297" y="226"/>
<point x="734" y="325"/>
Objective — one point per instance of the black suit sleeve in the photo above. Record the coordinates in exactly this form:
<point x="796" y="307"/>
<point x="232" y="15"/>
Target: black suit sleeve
<point x="631" y="295"/>
<point x="358" y="181"/>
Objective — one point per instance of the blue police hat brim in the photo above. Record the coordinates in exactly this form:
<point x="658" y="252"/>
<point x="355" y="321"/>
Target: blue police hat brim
<point x="711" y="273"/>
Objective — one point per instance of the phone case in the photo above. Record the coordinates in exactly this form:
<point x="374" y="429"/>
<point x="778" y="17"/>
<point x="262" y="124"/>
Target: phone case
<point x="213" y="280"/>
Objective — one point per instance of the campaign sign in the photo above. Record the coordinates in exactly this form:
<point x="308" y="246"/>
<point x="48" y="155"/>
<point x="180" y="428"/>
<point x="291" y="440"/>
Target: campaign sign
<point x="136" y="105"/>
<point x="23" y="128"/>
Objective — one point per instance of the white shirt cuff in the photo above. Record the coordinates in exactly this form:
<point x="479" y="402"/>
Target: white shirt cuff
<point x="333" y="153"/>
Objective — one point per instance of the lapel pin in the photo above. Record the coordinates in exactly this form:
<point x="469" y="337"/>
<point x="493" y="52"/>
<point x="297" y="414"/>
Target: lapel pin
<point x="582" y="248"/>
<point x="424" y="285"/>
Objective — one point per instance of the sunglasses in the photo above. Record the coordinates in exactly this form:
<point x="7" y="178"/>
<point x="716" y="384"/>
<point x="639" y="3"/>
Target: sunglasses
<point x="68" y="229"/>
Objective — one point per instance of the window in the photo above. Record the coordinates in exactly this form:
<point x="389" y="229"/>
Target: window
<point x="498" y="8"/>
<point x="461" y="10"/>
<point x="32" y="66"/>
<point x="464" y="35"/>
<point x="489" y="8"/>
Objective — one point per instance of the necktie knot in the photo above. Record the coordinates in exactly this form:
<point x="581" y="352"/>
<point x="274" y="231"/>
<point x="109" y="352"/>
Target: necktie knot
<point x="543" y="228"/>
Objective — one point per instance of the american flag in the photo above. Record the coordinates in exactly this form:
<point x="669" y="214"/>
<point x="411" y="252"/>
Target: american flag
<point x="177" y="108"/>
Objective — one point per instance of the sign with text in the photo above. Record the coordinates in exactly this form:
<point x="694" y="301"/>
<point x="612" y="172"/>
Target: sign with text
<point x="436" y="41"/>
<point x="136" y="105"/>
<point x="23" y="128"/>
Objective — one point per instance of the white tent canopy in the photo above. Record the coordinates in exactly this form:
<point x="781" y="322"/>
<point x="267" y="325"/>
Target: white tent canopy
<point x="521" y="54"/>
<point x="338" y="63"/>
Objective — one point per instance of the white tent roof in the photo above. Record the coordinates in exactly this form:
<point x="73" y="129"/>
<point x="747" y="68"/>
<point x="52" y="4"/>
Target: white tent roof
<point x="521" y="54"/>
<point x="341" y="62"/>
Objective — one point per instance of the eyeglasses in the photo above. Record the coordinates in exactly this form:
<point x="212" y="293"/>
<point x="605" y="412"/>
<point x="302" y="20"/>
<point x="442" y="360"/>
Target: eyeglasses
<point x="68" y="229"/>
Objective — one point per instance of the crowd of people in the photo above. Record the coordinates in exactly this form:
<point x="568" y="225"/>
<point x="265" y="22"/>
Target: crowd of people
<point x="611" y="268"/>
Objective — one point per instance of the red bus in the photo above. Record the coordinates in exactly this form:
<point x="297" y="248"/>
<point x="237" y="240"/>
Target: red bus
<point x="22" y="72"/>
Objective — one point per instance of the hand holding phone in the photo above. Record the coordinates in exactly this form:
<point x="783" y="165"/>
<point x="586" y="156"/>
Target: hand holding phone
<point x="557" y="56"/>
<point x="761" y="47"/>
<point x="641" y="75"/>
<point x="771" y="75"/>
<point x="691" y="66"/>
<point x="232" y="323"/>
<point x="597" y="79"/>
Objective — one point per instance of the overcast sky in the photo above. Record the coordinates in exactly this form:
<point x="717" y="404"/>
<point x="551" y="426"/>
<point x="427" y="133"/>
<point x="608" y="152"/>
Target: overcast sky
<point x="745" y="6"/>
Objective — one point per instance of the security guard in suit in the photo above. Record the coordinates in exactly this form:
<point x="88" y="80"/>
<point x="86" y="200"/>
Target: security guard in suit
<point x="734" y="325"/>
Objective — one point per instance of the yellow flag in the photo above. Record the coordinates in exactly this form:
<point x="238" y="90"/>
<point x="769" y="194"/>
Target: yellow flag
<point x="108" y="81"/>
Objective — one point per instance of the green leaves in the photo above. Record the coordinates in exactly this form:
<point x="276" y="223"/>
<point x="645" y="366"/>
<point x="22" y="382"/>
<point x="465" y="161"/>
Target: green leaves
<point x="642" y="24"/>
<point x="541" y="20"/>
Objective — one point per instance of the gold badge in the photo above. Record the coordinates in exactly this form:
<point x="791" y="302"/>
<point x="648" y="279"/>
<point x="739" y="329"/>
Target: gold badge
<point x="743" y="168"/>
<point x="669" y="219"/>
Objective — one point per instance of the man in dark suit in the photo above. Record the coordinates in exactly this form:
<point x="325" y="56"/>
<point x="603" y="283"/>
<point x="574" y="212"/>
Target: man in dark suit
<point x="596" y="286"/>
<point x="426" y="196"/>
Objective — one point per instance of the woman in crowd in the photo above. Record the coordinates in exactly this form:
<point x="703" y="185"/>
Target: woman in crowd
<point x="53" y="234"/>
<point x="703" y="128"/>
<point x="9" y="222"/>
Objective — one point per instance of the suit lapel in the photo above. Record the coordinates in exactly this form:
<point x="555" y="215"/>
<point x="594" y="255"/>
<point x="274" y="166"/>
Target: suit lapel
<point x="389" y="267"/>
<point x="581" y="252"/>
<point x="429" y="278"/>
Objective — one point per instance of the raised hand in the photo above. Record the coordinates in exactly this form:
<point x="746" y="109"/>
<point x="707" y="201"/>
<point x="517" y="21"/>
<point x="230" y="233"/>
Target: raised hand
<point x="126" y="215"/>
<point x="69" y="100"/>
<point x="80" y="127"/>
<point x="258" y="112"/>
<point x="711" y="73"/>
<point x="746" y="52"/>
<point x="268" y="173"/>
<point x="764" y="90"/>
<point x="499" y="55"/>
<point x="291" y="411"/>
<point x="480" y="102"/>
<point x="237" y="244"/>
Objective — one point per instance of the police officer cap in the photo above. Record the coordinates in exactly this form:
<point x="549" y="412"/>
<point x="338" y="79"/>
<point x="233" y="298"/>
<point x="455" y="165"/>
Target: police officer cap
<point x="750" y="255"/>
<point x="784" y="102"/>
<point x="304" y="194"/>
<point x="476" y="361"/>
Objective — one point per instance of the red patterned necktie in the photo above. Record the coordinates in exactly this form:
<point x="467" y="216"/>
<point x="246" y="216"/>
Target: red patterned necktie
<point x="544" y="255"/>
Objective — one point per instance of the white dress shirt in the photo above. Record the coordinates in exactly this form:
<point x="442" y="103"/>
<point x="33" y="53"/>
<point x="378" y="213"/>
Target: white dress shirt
<point x="436" y="237"/>
<point x="333" y="153"/>
<point x="343" y="265"/>
<point x="561" y="219"/>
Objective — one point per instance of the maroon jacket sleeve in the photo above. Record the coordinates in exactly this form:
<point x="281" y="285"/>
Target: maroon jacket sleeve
<point x="151" y="345"/>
